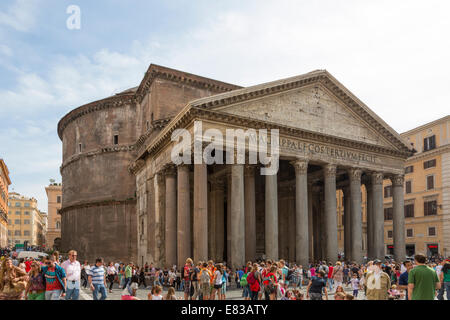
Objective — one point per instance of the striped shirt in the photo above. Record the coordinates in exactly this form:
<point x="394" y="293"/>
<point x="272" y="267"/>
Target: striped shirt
<point x="97" y="274"/>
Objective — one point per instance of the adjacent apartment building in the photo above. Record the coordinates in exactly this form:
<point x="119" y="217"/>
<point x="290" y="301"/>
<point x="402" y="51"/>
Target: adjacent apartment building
<point x="427" y="191"/>
<point x="4" y="184"/>
<point x="26" y="223"/>
<point x="54" y="196"/>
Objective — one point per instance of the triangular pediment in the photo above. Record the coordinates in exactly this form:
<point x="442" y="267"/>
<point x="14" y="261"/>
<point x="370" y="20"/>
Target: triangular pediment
<point x="311" y="108"/>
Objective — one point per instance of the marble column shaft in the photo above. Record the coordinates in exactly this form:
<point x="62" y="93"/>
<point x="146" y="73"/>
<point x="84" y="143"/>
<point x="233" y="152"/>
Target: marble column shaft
<point x="398" y="218"/>
<point x="369" y="220"/>
<point x="301" y="212"/>
<point x="271" y="219"/>
<point x="237" y="216"/>
<point x="356" y="216"/>
<point x="183" y="215"/>
<point x="218" y="207"/>
<point x="171" y="217"/>
<point x="250" y="213"/>
<point x="347" y="224"/>
<point x="378" y="215"/>
<point x="200" y="225"/>
<point x="330" y="213"/>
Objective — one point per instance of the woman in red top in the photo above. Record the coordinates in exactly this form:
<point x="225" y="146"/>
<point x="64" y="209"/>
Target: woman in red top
<point x="273" y="283"/>
<point x="186" y="276"/>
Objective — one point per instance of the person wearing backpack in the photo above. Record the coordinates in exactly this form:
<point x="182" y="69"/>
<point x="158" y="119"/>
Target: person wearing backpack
<point x="245" y="286"/>
<point x="286" y="273"/>
<point x="194" y="281"/>
<point x="205" y="278"/>
<point x="253" y="282"/>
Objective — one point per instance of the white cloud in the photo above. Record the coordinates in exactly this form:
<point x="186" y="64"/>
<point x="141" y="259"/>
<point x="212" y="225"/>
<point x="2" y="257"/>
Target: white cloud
<point x="5" y="50"/>
<point x="21" y="15"/>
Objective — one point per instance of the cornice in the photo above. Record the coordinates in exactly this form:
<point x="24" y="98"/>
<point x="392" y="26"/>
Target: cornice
<point x="425" y="126"/>
<point x="107" y="149"/>
<point x="97" y="204"/>
<point x="427" y="154"/>
<point x="192" y="80"/>
<point x="110" y="102"/>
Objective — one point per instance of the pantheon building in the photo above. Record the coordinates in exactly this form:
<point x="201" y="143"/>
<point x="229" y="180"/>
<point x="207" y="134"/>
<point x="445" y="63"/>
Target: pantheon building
<point x="125" y="200"/>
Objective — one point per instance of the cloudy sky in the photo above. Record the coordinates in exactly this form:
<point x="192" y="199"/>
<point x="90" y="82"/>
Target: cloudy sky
<point x="393" y="55"/>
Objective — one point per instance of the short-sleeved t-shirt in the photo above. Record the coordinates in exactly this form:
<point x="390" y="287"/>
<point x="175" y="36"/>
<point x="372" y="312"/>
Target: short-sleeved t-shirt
<point x="317" y="285"/>
<point x="424" y="279"/>
<point x="97" y="274"/>
<point x="51" y="280"/>
<point x="403" y="281"/>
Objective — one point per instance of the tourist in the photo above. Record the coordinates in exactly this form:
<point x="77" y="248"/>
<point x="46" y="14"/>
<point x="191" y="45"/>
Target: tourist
<point x="422" y="280"/>
<point x="445" y="278"/>
<point x="157" y="293"/>
<point x="355" y="285"/>
<point x="403" y="279"/>
<point x="330" y="277"/>
<point x="438" y="269"/>
<point x="205" y="280"/>
<point x="35" y="289"/>
<point x="130" y="292"/>
<point x="377" y="282"/>
<point x="84" y="269"/>
<point x="13" y="281"/>
<point x="97" y="280"/>
<point x="186" y="274"/>
<point x="316" y="286"/>
<point x="223" y="290"/>
<point x="55" y="279"/>
<point x="128" y="274"/>
<point x="72" y="269"/>
<point x="338" y="275"/>
<point x="111" y="273"/>
<point x="170" y="294"/>
<point x="195" y="285"/>
<point x="22" y="265"/>
<point x="244" y="283"/>
<point x="217" y="281"/>
<point x="141" y="277"/>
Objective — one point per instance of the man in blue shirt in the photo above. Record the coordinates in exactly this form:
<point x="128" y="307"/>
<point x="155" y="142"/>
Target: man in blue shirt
<point x="97" y="279"/>
<point x="403" y="279"/>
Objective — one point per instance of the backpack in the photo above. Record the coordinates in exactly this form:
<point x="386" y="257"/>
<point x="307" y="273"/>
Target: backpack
<point x="250" y="278"/>
<point x="205" y="277"/>
<point x="289" y="275"/>
<point x="244" y="280"/>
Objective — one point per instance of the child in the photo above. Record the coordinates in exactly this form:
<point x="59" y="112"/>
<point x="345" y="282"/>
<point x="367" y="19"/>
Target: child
<point x="355" y="284"/>
<point x="394" y="293"/>
<point x="157" y="295"/>
<point x="129" y="293"/>
<point x="170" y="294"/>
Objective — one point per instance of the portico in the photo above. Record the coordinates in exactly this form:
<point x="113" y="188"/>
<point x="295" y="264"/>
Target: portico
<point x="328" y="141"/>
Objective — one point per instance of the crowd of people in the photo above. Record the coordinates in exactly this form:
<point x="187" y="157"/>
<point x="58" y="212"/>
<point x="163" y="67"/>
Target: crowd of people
<point x="55" y="279"/>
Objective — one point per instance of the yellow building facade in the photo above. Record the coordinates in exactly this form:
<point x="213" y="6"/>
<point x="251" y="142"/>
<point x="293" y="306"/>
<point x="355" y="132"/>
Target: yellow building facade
<point x="427" y="194"/>
<point x="25" y="222"/>
<point x="54" y="196"/>
<point x="4" y="184"/>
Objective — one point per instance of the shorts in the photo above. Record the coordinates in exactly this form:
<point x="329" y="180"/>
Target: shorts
<point x="187" y="286"/>
<point x="205" y="289"/>
<point x="217" y="286"/>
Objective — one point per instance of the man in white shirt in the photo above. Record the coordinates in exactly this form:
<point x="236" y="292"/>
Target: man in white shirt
<point x="73" y="273"/>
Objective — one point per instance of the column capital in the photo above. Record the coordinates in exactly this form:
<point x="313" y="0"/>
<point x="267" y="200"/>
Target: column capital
<point x="183" y="166"/>
<point x="398" y="180"/>
<point x="170" y="170"/>
<point x="377" y="178"/>
<point x="355" y="174"/>
<point x="329" y="170"/>
<point x="160" y="176"/>
<point x="300" y="166"/>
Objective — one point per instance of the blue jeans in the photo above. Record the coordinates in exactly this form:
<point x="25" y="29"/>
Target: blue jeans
<point x="447" y="289"/>
<point x="73" y="290"/>
<point x="53" y="295"/>
<point x="99" y="288"/>
<point x="330" y="284"/>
